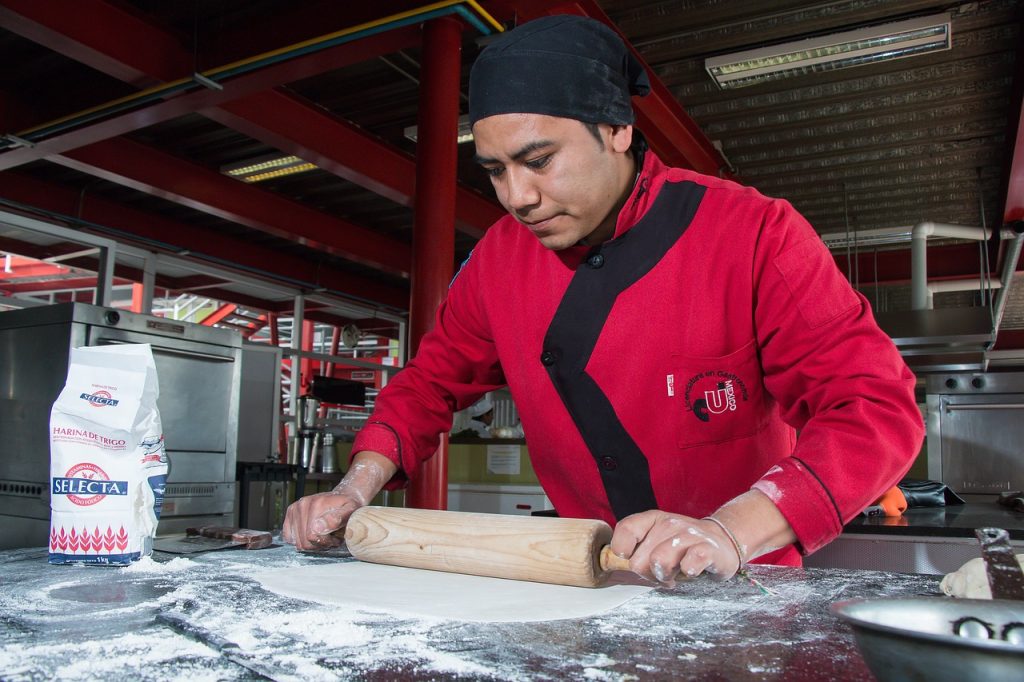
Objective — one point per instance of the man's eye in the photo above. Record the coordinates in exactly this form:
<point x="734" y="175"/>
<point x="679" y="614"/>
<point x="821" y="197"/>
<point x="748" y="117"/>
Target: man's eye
<point x="495" y="172"/>
<point x="537" y="164"/>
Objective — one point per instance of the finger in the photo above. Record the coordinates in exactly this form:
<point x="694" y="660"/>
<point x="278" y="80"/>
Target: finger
<point x="631" y="531"/>
<point x="665" y="558"/>
<point x="332" y="520"/>
<point x="699" y="558"/>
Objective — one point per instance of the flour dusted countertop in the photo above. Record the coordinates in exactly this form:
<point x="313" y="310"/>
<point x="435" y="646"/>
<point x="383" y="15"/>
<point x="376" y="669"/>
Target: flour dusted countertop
<point x="207" y="618"/>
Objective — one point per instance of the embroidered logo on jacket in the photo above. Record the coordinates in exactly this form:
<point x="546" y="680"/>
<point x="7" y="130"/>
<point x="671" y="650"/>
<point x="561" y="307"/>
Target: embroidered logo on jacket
<point x="714" y="393"/>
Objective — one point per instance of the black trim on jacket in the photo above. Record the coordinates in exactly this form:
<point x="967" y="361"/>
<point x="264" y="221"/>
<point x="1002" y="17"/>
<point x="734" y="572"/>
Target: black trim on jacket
<point x="608" y="270"/>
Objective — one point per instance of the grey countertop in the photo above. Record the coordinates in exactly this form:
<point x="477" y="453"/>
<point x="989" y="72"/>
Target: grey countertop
<point x="205" y="618"/>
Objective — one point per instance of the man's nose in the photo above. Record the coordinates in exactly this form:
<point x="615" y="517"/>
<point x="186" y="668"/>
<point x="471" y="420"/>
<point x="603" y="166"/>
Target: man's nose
<point x="521" y="192"/>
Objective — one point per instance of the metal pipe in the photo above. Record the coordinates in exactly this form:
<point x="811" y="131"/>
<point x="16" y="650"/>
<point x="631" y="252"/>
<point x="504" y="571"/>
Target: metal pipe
<point x="434" y="232"/>
<point x="946" y="286"/>
<point x="919" y="255"/>
<point x="1009" y="269"/>
<point x="221" y="73"/>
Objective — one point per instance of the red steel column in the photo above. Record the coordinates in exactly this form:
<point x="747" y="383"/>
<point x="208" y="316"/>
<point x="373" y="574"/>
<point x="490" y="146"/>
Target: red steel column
<point x="434" y="234"/>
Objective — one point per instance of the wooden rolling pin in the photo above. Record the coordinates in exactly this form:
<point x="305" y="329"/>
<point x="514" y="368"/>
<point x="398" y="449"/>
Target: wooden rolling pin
<point x="541" y="549"/>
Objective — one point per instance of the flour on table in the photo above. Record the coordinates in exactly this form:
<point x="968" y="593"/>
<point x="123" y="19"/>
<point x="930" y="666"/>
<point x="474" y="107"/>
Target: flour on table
<point x="449" y="596"/>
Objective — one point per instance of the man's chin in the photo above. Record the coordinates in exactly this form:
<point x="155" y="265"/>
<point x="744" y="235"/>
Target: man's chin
<point x="555" y="242"/>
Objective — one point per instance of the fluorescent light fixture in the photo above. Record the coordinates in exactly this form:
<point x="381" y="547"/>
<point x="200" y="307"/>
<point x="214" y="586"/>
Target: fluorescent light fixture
<point x="267" y="167"/>
<point x="465" y="133"/>
<point x="828" y="53"/>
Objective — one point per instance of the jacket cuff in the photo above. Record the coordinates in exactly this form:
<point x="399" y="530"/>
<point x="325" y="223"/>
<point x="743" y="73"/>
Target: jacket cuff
<point x="805" y="502"/>
<point x="381" y="438"/>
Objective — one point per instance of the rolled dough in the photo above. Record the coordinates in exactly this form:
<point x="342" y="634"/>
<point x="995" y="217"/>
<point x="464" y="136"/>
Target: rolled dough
<point x="378" y="588"/>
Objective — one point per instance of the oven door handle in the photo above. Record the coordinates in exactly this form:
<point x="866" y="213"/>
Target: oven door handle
<point x="170" y="351"/>
<point x="985" y="406"/>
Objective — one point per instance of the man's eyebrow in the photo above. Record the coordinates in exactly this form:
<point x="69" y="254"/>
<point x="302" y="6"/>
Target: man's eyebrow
<point x="526" y="149"/>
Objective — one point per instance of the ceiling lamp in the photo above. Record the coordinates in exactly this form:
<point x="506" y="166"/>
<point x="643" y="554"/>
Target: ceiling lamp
<point x="267" y="167"/>
<point x="465" y="132"/>
<point x="836" y="51"/>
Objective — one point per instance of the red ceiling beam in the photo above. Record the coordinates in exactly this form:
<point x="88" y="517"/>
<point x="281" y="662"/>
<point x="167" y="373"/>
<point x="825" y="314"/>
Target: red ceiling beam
<point x="148" y="170"/>
<point x="179" y="105"/>
<point x="951" y="261"/>
<point x="160" y="233"/>
<point x="107" y="37"/>
<point x="281" y="120"/>
<point x="294" y="125"/>
<point x="299" y="22"/>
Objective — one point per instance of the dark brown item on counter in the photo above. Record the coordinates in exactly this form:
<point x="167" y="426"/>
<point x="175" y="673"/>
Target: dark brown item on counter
<point x="210" y="538"/>
<point x="251" y="539"/>
<point x="1014" y="499"/>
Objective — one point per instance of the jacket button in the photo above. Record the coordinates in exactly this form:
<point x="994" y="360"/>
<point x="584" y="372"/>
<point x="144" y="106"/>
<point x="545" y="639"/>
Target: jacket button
<point x="609" y="464"/>
<point x="595" y="261"/>
<point x="548" y="358"/>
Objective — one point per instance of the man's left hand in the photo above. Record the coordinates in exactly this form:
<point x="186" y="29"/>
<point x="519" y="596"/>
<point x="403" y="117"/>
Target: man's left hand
<point x="664" y="546"/>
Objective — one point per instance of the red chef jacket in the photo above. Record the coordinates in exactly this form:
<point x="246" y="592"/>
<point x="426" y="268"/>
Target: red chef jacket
<point x="671" y="366"/>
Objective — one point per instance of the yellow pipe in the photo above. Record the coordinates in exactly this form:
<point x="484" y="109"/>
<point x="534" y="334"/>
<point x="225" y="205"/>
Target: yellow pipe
<point x="483" y="13"/>
<point x="272" y="53"/>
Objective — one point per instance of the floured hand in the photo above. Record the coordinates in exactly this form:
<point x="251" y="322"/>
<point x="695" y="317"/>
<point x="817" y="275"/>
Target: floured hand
<point x="665" y="546"/>
<point x="314" y="523"/>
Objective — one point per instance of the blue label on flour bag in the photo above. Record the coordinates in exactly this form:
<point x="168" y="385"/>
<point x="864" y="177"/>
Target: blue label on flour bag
<point x="85" y="486"/>
<point x="159" y="485"/>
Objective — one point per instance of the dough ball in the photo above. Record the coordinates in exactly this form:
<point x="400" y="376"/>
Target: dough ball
<point x="970" y="581"/>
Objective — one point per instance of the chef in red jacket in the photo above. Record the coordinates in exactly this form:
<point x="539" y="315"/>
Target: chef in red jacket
<point x="664" y="334"/>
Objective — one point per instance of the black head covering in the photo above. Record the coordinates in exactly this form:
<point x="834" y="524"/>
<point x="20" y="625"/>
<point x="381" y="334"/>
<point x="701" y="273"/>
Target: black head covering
<point x="567" y="66"/>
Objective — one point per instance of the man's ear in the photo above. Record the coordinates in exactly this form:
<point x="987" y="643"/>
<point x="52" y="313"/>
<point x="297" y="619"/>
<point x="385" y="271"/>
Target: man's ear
<point x="621" y="138"/>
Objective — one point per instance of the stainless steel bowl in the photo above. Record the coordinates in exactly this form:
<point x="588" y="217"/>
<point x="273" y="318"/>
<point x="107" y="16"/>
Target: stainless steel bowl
<point x="916" y="638"/>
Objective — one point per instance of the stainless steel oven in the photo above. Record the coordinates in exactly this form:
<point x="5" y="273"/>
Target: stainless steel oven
<point x="976" y="431"/>
<point x="199" y="370"/>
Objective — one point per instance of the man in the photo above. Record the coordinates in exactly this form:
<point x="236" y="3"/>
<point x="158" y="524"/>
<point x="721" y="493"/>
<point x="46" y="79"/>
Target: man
<point x="663" y="334"/>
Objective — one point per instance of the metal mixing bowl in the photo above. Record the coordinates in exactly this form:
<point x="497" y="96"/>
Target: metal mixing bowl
<point x="916" y="638"/>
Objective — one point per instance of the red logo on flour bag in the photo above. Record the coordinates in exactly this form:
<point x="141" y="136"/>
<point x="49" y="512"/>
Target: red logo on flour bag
<point x="99" y="399"/>
<point x="108" y="467"/>
<point x="86" y="484"/>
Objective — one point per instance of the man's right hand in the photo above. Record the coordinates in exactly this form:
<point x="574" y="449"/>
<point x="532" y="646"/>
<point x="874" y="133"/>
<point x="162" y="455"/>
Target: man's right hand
<point x="315" y="522"/>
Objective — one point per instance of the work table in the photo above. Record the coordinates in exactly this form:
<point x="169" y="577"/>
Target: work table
<point x="205" y="617"/>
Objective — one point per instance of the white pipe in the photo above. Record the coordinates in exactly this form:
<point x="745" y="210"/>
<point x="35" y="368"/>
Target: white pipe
<point x="946" y="286"/>
<point x="919" y="295"/>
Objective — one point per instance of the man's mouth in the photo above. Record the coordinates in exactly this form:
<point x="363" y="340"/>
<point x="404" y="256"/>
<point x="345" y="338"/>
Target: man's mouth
<point x="538" y="225"/>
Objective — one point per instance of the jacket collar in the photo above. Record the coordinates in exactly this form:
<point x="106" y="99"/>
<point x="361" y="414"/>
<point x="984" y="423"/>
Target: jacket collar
<point x="641" y="197"/>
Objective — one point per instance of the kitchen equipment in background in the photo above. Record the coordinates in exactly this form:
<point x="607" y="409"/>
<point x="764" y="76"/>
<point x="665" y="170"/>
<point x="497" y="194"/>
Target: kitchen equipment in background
<point x="941" y="639"/>
<point x="928" y="638"/>
<point x="309" y="437"/>
<point x="328" y="457"/>
<point x="1005" y="577"/>
<point x="975" y="431"/>
<point x="199" y="370"/>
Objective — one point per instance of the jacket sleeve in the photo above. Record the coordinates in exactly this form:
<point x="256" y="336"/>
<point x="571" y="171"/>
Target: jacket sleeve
<point x="456" y="363"/>
<point x="838" y="380"/>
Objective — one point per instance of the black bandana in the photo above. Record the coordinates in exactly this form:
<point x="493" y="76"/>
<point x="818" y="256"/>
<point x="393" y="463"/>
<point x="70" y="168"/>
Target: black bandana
<point x="567" y="66"/>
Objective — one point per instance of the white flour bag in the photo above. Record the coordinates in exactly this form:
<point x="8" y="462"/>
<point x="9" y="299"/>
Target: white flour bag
<point x="108" y="465"/>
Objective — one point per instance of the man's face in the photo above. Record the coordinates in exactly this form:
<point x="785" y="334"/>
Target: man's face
<point x="554" y="177"/>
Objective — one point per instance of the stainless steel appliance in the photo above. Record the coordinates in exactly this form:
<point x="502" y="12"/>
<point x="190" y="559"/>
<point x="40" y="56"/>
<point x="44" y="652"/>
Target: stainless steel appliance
<point x="199" y="371"/>
<point x="976" y="431"/>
